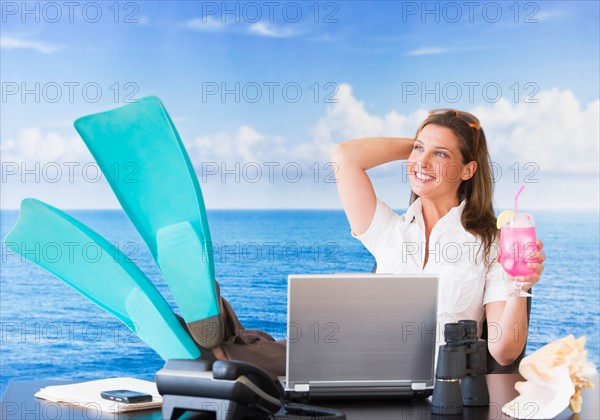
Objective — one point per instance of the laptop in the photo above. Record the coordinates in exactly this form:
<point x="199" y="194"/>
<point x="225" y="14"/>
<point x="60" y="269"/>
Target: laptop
<point x="360" y="336"/>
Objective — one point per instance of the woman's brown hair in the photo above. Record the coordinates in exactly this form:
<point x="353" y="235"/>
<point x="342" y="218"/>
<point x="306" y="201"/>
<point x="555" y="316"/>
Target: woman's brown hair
<point x="478" y="215"/>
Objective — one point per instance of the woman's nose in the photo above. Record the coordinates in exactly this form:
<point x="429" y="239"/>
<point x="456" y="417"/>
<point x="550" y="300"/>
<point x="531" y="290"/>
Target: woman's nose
<point x="425" y="160"/>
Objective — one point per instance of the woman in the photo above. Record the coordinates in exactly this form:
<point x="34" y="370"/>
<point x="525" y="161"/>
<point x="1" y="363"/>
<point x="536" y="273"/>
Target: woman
<point x="449" y="228"/>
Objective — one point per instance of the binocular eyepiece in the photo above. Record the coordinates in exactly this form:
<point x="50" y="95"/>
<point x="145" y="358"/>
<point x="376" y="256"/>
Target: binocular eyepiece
<point x="460" y="333"/>
<point x="460" y="372"/>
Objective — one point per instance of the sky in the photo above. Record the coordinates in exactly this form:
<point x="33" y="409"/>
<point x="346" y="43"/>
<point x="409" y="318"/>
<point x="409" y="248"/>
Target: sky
<point x="260" y="92"/>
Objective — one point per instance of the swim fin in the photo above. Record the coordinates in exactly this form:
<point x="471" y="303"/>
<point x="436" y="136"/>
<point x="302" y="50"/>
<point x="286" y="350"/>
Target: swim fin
<point x="140" y="153"/>
<point x="93" y="266"/>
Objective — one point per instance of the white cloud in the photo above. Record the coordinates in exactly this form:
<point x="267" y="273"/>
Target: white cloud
<point x="349" y="119"/>
<point x="430" y="51"/>
<point x="273" y="31"/>
<point x="31" y="145"/>
<point x="326" y="37"/>
<point x="245" y="145"/>
<point x="53" y="168"/>
<point x="449" y="50"/>
<point x="206" y="24"/>
<point x="143" y="20"/>
<point x="546" y="15"/>
<point x="210" y="24"/>
<point x="556" y="133"/>
<point x="9" y="43"/>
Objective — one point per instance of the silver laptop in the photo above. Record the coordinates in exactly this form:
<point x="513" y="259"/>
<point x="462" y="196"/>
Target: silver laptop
<point x="360" y="335"/>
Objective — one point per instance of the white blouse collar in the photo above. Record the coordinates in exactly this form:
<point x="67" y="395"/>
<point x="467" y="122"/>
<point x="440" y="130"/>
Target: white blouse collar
<point x="415" y="214"/>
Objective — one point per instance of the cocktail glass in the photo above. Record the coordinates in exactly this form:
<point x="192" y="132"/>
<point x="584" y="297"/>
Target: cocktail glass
<point x="517" y="243"/>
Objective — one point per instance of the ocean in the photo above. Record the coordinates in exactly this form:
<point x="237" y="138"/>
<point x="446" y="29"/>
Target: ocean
<point x="50" y="331"/>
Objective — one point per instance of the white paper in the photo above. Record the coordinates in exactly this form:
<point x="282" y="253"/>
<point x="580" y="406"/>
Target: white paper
<point x="87" y="394"/>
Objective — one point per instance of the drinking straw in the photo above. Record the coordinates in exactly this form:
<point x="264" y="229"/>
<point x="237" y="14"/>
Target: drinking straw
<point x="517" y="197"/>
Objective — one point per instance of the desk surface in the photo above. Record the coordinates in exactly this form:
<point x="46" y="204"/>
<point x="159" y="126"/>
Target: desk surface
<point x="18" y="402"/>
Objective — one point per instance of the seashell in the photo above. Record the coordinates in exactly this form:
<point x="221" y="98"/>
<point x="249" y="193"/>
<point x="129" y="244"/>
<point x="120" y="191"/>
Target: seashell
<point x="556" y="374"/>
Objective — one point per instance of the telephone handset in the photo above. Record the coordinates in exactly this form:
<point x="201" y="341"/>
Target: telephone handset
<point x="233" y="369"/>
<point x="245" y="390"/>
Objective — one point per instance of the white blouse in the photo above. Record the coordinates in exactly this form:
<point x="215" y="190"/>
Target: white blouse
<point x="466" y="281"/>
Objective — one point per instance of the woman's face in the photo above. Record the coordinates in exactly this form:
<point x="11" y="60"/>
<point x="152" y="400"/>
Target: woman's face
<point x="435" y="165"/>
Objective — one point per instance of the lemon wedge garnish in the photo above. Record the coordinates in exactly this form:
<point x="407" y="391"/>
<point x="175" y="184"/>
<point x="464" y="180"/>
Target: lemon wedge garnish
<point x="504" y="217"/>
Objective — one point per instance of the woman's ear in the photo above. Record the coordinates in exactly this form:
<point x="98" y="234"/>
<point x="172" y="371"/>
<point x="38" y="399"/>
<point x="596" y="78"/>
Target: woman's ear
<point x="469" y="170"/>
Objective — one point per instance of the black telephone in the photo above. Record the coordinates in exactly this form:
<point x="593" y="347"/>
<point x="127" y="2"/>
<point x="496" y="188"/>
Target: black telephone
<point x="232" y="389"/>
<point x="233" y="369"/>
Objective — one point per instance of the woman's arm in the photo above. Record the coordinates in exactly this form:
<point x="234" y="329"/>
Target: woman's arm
<point x="509" y="318"/>
<point x="507" y="326"/>
<point x="352" y="159"/>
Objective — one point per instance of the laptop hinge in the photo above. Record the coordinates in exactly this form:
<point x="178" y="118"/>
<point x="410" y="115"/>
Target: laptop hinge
<point x="301" y="387"/>
<point x="418" y="386"/>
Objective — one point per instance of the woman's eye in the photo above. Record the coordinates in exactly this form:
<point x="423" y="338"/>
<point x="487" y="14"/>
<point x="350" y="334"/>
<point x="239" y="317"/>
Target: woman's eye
<point x="441" y="154"/>
<point x="417" y="147"/>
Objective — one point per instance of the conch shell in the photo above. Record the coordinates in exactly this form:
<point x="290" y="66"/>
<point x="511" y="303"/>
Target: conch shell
<point x="556" y="375"/>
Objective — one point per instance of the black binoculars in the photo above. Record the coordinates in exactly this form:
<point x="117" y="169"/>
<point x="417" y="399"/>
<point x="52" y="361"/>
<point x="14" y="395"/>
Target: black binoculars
<point x="460" y="372"/>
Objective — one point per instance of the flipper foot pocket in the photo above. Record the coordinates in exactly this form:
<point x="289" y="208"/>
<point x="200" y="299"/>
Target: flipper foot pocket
<point x="183" y="259"/>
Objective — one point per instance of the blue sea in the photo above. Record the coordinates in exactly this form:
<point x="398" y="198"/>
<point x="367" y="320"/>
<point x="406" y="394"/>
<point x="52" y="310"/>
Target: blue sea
<point x="50" y="331"/>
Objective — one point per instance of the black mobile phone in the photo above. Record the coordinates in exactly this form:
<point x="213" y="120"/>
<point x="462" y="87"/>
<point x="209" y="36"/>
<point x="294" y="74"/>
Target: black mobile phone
<point x="126" y="396"/>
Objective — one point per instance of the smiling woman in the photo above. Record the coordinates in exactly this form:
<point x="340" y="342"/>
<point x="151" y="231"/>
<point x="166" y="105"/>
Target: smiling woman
<point x="450" y="208"/>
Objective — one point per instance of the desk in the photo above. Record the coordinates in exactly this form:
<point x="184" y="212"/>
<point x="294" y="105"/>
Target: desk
<point x="18" y="402"/>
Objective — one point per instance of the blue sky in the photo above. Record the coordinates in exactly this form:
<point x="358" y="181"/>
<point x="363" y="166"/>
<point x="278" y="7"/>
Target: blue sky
<point x="307" y="75"/>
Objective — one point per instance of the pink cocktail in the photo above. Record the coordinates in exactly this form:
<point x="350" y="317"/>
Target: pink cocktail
<point x="517" y="243"/>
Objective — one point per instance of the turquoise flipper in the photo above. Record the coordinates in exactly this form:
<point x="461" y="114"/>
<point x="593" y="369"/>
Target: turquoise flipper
<point x="140" y="153"/>
<point x="61" y="245"/>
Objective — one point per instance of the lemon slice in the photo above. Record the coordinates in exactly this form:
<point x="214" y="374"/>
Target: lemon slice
<point x="504" y="217"/>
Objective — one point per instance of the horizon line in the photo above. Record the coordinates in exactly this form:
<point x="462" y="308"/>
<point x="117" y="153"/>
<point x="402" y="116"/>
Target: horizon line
<point x="529" y="209"/>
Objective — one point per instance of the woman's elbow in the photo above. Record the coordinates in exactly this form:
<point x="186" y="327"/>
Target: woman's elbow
<point x="504" y="361"/>
<point x="338" y="152"/>
<point x="505" y="355"/>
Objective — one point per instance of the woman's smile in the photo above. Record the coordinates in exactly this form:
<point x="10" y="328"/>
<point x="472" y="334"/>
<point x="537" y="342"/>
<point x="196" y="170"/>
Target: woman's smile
<point x="424" y="178"/>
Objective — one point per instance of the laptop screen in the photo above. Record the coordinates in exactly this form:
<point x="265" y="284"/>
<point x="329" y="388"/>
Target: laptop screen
<point x="361" y="329"/>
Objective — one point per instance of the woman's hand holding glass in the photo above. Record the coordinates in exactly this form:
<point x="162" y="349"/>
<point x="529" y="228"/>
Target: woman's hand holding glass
<point x="536" y="264"/>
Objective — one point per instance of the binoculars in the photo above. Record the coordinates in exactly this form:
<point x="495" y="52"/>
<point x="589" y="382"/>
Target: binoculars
<point x="460" y="372"/>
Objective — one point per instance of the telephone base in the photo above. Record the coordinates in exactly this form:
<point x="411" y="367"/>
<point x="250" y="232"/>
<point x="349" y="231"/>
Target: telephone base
<point x="174" y="406"/>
